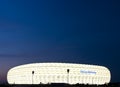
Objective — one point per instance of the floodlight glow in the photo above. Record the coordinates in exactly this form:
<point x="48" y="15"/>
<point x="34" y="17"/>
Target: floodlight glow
<point x="44" y="73"/>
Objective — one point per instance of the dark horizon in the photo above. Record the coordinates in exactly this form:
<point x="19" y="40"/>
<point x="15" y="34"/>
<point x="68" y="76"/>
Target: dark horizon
<point x="80" y="31"/>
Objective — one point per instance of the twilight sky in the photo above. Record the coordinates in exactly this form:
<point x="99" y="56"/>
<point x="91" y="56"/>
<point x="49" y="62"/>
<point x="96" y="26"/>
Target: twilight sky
<point x="76" y="31"/>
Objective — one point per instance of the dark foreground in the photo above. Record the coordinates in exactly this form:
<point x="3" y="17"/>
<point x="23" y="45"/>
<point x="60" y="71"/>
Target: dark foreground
<point x="62" y="85"/>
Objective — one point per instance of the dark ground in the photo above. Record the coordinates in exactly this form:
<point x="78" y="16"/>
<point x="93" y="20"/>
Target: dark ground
<point x="62" y="85"/>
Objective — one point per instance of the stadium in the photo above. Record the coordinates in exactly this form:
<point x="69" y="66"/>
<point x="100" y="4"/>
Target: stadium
<point x="69" y="73"/>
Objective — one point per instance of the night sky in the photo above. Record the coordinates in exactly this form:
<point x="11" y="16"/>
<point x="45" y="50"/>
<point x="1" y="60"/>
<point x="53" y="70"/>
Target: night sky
<point x="72" y="31"/>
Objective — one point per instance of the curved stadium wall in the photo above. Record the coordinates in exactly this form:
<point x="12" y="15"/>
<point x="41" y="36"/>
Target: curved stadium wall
<point x="46" y="73"/>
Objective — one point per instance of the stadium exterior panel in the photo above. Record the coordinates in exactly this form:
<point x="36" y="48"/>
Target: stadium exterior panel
<point x="46" y="73"/>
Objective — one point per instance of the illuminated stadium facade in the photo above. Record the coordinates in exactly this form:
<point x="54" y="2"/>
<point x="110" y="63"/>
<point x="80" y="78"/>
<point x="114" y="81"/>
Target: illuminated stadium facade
<point x="46" y="73"/>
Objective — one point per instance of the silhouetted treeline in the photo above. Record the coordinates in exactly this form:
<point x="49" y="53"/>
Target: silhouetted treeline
<point x="62" y="85"/>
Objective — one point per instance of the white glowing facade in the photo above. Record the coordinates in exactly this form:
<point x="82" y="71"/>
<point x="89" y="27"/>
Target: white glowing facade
<point x="46" y="73"/>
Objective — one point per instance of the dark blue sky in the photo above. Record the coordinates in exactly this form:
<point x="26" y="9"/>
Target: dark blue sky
<point x="76" y="31"/>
